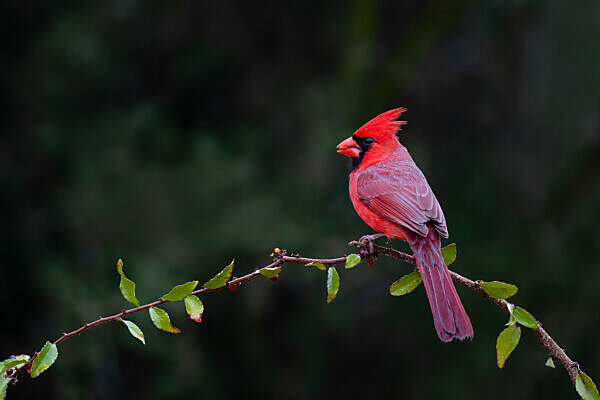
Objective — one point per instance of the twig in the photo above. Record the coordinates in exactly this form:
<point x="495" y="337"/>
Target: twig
<point x="281" y="258"/>
<point x="556" y="352"/>
<point x="115" y="317"/>
<point x="279" y="261"/>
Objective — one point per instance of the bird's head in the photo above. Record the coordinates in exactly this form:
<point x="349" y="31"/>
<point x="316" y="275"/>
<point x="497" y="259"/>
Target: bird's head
<point x="378" y="136"/>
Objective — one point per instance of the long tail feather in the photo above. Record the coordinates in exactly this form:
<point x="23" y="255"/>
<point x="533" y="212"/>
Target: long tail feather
<point x="449" y="316"/>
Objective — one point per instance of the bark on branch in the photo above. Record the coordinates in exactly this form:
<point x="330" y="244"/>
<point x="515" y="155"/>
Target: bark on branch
<point x="281" y="258"/>
<point x="556" y="352"/>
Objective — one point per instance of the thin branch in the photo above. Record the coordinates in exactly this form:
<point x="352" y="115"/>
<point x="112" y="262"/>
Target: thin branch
<point x="117" y="316"/>
<point x="556" y="352"/>
<point x="279" y="261"/>
<point x="281" y="258"/>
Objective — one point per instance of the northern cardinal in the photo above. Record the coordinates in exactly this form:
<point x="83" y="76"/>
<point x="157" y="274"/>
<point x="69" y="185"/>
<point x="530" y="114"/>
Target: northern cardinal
<point x="391" y="195"/>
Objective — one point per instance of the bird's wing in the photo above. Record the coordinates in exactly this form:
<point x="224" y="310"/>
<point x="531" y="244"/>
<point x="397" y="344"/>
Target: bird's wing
<point x="399" y="192"/>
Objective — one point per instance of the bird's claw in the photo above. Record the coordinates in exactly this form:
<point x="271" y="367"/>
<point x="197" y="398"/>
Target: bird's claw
<point x="367" y="240"/>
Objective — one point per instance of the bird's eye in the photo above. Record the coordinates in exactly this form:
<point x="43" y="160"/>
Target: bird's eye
<point x="368" y="140"/>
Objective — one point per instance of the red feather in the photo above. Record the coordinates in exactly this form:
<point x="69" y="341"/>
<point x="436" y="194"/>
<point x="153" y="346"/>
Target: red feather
<point x="392" y="196"/>
<point x="382" y="125"/>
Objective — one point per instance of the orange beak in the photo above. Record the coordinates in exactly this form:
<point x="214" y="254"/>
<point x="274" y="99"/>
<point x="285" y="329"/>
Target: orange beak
<point x="349" y="148"/>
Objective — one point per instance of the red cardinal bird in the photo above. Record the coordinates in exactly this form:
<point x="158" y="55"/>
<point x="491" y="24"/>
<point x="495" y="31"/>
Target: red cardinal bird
<point x="393" y="197"/>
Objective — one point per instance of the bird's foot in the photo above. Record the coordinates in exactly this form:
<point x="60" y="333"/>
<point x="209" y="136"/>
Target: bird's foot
<point x="367" y="240"/>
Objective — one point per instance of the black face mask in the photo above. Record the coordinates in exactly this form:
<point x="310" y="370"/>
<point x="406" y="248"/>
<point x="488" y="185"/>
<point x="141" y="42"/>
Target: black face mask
<point x="364" y="144"/>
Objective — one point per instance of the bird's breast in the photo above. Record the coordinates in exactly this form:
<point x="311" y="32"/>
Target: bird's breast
<point x="371" y="218"/>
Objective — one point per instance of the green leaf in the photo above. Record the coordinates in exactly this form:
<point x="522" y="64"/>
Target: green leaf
<point x="194" y="308"/>
<point x="449" y="253"/>
<point x="179" y="292"/>
<point x="499" y="290"/>
<point x="506" y="343"/>
<point x="127" y="286"/>
<point x="352" y="260"/>
<point x="45" y="358"/>
<point x="406" y="284"/>
<point x="4" y="381"/>
<point x="317" y="264"/>
<point x="221" y="278"/>
<point x="161" y="320"/>
<point x="511" y="318"/>
<point x="550" y="363"/>
<point x="585" y="386"/>
<point x="13" y="362"/>
<point x="270" y="272"/>
<point x="333" y="284"/>
<point x="524" y="318"/>
<point x="135" y="330"/>
<point x="511" y="307"/>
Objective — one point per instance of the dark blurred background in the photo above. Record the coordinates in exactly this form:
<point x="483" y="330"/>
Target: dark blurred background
<point x="178" y="135"/>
